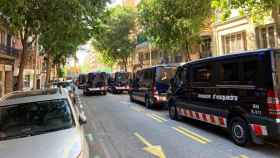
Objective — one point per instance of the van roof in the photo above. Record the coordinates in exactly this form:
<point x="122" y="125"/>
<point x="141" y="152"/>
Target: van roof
<point x="232" y="55"/>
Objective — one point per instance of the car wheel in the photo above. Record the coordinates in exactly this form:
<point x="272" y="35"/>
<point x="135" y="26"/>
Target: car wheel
<point x="173" y="112"/>
<point x="105" y="93"/>
<point x="240" y="132"/>
<point x="148" y="103"/>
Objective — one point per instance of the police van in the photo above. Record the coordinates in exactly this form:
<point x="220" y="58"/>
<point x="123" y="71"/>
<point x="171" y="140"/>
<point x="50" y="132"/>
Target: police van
<point x="119" y="82"/>
<point x="96" y="83"/>
<point x="239" y="92"/>
<point x="150" y="85"/>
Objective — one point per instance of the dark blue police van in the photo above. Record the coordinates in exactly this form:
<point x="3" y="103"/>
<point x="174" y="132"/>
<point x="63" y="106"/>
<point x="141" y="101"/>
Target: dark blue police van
<point x="96" y="83"/>
<point x="119" y="82"/>
<point x="150" y="85"/>
<point x="239" y="92"/>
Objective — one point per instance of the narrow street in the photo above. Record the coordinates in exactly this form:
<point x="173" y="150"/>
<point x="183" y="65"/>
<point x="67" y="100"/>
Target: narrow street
<point x="117" y="128"/>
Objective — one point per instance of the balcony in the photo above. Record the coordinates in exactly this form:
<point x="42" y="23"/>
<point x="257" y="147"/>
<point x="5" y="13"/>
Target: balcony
<point x="9" y="51"/>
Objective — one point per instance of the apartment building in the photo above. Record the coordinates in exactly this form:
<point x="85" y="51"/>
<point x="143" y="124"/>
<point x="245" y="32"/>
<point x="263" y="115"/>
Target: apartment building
<point x="239" y="33"/>
<point x="9" y="50"/>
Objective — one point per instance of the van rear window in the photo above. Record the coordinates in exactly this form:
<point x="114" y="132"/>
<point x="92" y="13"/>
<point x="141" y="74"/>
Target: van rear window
<point x="277" y="67"/>
<point x="164" y="74"/>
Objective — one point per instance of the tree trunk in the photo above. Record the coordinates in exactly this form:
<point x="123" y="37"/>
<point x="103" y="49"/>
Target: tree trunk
<point x="23" y="57"/>
<point x="188" y="51"/>
<point x="47" y="82"/>
<point x="125" y="64"/>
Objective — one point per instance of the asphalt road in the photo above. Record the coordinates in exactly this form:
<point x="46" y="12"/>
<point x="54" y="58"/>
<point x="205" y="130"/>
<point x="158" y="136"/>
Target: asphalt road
<point x="117" y="128"/>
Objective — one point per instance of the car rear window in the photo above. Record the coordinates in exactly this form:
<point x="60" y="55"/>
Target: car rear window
<point x="164" y="74"/>
<point x="34" y="118"/>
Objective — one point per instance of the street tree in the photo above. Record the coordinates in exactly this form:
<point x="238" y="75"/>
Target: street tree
<point x="116" y="37"/>
<point x="27" y="19"/>
<point x="256" y="10"/>
<point x="173" y="25"/>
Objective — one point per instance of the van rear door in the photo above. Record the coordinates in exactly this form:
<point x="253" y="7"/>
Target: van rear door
<point x="274" y="93"/>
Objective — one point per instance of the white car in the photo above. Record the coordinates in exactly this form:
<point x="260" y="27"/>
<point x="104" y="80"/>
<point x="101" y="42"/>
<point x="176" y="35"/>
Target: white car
<point x="41" y="124"/>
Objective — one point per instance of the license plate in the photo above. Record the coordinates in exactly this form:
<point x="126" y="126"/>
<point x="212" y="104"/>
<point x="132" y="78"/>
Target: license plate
<point x="94" y="89"/>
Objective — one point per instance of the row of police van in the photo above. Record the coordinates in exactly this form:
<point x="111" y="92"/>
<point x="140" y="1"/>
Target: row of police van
<point x="239" y="92"/>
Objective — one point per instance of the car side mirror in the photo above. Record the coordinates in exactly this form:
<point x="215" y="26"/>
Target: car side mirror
<point x="82" y="118"/>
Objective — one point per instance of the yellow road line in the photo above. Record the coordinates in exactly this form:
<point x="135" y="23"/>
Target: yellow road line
<point x="159" y="117"/>
<point x="194" y="134"/>
<point x="142" y="139"/>
<point x="155" y="118"/>
<point x="190" y="136"/>
<point x="243" y="156"/>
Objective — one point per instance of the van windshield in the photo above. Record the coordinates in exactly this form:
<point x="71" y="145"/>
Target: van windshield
<point x="164" y="74"/>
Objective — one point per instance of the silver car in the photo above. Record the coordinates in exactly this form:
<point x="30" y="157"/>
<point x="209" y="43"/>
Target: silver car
<point x="41" y="124"/>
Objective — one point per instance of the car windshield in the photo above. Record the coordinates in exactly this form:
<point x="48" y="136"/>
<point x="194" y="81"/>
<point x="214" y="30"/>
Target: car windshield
<point x="34" y="118"/>
<point x="164" y="74"/>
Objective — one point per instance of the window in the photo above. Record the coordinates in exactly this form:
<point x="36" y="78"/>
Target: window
<point x="271" y="36"/>
<point x="234" y="42"/>
<point x="206" y="47"/>
<point x="2" y="38"/>
<point x="202" y="74"/>
<point x="263" y="37"/>
<point x="267" y="37"/>
<point x="229" y="72"/>
<point x="250" y="70"/>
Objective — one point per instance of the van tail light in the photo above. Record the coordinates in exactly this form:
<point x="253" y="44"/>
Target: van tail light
<point x="154" y="90"/>
<point x="273" y="104"/>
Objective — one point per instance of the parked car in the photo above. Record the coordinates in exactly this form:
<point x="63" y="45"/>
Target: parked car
<point x="42" y="123"/>
<point x="81" y="81"/>
<point x="150" y="85"/>
<point x="119" y="82"/>
<point x="239" y="92"/>
<point x="70" y="87"/>
<point x="96" y="83"/>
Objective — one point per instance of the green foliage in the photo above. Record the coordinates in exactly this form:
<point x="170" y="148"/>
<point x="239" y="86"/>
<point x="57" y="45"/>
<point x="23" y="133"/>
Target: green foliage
<point x="60" y="72"/>
<point x="115" y="39"/>
<point x="257" y="10"/>
<point x="173" y="25"/>
<point x="61" y="25"/>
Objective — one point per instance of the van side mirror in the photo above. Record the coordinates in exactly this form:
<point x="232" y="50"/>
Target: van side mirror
<point x="82" y="118"/>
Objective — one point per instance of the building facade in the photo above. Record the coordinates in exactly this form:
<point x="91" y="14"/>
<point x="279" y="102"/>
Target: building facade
<point x="239" y="33"/>
<point x="9" y="51"/>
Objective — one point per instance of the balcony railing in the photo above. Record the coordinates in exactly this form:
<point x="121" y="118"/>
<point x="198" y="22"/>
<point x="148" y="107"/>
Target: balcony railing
<point x="10" y="51"/>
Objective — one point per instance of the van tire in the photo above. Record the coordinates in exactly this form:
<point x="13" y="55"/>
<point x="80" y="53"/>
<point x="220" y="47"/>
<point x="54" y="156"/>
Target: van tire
<point x="173" y="114"/>
<point x="240" y="132"/>
<point x="148" y="103"/>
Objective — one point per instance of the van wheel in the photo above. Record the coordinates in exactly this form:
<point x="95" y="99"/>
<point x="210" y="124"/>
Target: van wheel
<point x="173" y="112"/>
<point x="240" y="132"/>
<point x="147" y="102"/>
